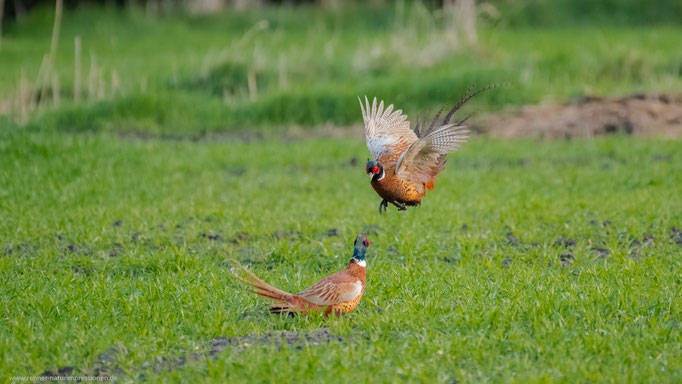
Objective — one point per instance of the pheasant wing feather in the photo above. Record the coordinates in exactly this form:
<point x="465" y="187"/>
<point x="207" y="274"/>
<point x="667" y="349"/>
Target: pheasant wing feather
<point x="332" y="290"/>
<point x="387" y="132"/>
<point x="424" y="158"/>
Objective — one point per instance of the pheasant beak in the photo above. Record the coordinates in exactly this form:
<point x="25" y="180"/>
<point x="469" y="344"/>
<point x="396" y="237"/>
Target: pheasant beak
<point x="374" y="171"/>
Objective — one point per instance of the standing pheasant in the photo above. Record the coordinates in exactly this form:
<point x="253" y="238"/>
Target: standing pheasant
<point x="405" y="161"/>
<point x="339" y="293"/>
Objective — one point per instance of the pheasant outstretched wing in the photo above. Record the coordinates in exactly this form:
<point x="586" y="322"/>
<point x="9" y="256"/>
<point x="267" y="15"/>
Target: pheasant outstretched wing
<point x="387" y="132"/>
<point x="334" y="289"/>
<point x="425" y="158"/>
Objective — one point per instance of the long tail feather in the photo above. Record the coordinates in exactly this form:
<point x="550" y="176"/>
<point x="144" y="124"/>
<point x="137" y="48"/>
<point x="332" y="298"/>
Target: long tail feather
<point x="283" y="300"/>
<point x="468" y="95"/>
<point x="433" y="122"/>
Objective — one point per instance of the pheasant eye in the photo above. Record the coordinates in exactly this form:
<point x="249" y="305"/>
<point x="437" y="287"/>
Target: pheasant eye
<point x="366" y="169"/>
<point x="376" y="169"/>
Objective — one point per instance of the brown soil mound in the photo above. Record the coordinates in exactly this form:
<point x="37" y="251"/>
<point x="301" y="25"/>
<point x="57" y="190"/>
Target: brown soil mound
<point x="646" y="115"/>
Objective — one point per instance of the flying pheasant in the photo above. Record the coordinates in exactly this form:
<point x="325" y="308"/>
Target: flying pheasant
<point x="406" y="161"/>
<point x="338" y="293"/>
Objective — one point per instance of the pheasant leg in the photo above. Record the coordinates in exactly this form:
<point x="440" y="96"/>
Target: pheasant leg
<point x="383" y="204"/>
<point x="401" y="207"/>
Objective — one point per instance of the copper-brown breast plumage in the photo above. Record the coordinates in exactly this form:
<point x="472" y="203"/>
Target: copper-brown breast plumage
<point x="393" y="188"/>
<point x="348" y="306"/>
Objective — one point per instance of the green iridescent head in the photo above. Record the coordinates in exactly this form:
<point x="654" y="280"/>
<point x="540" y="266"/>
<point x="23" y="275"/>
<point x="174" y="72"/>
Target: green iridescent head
<point x="360" y="247"/>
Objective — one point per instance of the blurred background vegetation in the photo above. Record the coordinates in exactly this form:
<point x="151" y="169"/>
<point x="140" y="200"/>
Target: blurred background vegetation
<point x="191" y="68"/>
<point x="532" y="261"/>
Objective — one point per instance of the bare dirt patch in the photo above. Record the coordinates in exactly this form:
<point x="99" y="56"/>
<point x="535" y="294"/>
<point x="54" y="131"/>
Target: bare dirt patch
<point x="57" y="373"/>
<point x="211" y="236"/>
<point x="106" y="363"/>
<point x="601" y="252"/>
<point x="276" y="339"/>
<point x="21" y="250"/>
<point x="641" y="114"/>
<point x="565" y="242"/>
<point x="512" y="240"/>
<point x="676" y="235"/>
<point x="566" y="259"/>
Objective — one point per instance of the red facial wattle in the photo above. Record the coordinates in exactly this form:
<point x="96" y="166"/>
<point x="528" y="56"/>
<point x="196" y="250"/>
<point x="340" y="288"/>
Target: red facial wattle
<point x="376" y="170"/>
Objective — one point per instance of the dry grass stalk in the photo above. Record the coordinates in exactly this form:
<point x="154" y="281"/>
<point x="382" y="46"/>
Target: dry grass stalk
<point x="115" y="83"/>
<point x="56" y="27"/>
<point x="77" y="69"/>
<point x="253" y="87"/>
<point x="25" y="98"/>
<point x="282" y="72"/>
<point x="461" y="20"/>
<point x="55" y="90"/>
<point x="43" y="78"/>
<point x="92" y="77"/>
<point x="101" y="85"/>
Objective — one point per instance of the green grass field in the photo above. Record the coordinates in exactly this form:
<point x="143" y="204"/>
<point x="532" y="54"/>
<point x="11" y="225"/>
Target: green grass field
<point x="532" y="261"/>
<point x="110" y="242"/>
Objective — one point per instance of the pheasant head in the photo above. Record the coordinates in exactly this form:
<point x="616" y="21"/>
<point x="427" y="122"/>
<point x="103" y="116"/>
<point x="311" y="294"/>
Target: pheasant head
<point x="361" y="245"/>
<point x="375" y="170"/>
